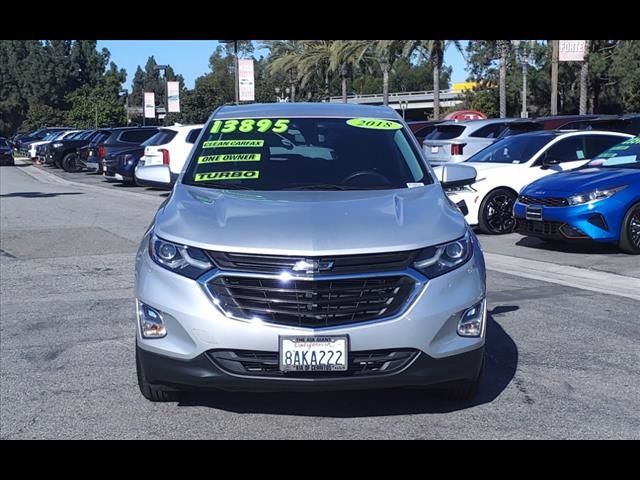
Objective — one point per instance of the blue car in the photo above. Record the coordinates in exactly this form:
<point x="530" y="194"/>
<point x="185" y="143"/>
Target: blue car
<point x="598" y="202"/>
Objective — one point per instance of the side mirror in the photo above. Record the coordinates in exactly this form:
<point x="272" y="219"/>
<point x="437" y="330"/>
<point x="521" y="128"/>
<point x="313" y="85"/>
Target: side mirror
<point x="549" y="162"/>
<point x="456" y="175"/>
<point x="157" y="176"/>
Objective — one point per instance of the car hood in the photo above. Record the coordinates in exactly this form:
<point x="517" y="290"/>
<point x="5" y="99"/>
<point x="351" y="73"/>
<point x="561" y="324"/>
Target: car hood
<point x="582" y="180"/>
<point x="309" y="223"/>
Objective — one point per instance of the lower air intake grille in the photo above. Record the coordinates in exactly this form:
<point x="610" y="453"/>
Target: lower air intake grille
<point x="370" y="362"/>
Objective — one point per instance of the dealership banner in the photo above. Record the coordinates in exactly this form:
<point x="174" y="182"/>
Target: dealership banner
<point x="149" y="105"/>
<point x="571" y="50"/>
<point x="246" y="80"/>
<point x="173" y="96"/>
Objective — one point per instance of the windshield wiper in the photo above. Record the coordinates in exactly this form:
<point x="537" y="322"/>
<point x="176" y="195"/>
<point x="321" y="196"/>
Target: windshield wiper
<point x="316" y="186"/>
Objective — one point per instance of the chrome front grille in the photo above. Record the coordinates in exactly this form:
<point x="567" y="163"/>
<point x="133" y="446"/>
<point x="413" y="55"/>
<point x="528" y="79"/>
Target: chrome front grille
<point x="311" y="302"/>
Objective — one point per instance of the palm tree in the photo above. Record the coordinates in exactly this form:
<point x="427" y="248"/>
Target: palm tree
<point x="503" y="47"/>
<point x="284" y="56"/>
<point x="433" y="52"/>
<point x="365" y="52"/>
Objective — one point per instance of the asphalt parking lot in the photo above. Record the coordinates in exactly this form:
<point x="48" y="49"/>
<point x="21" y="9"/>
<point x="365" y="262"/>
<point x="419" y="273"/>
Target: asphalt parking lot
<point x="563" y="357"/>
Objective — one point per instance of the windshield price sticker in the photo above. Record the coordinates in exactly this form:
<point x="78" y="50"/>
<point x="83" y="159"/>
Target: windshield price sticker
<point x="232" y="143"/>
<point x="229" y="175"/>
<point x="230" y="157"/>
<point x="374" y="123"/>
<point x="249" y="125"/>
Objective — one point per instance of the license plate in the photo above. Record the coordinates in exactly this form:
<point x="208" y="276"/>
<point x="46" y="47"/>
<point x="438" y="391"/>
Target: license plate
<point x="309" y="354"/>
<point x="434" y="149"/>
<point x="534" y="213"/>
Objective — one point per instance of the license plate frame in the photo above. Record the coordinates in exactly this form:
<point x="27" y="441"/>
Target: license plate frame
<point x="309" y="344"/>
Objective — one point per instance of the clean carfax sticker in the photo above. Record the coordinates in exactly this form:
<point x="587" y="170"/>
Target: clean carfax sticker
<point x="230" y="157"/>
<point x="232" y="143"/>
<point x="231" y="175"/>
<point x="374" y="123"/>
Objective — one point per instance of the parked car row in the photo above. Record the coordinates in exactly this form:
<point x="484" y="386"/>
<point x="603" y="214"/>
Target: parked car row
<point x="508" y="155"/>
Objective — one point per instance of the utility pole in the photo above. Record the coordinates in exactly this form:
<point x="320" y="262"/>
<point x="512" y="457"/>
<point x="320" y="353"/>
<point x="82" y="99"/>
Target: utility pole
<point x="236" y="74"/>
<point x="555" y="52"/>
<point x="584" y="73"/>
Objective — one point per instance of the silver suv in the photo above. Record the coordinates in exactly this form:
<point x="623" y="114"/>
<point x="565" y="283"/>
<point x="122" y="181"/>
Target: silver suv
<point x="456" y="141"/>
<point x="308" y="246"/>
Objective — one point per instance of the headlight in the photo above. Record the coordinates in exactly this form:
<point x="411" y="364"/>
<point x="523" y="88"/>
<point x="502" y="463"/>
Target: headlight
<point x="181" y="259"/>
<point x="466" y="188"/>
<point x="57" y="145"/>
<point x="440" y="259"/>
<point x="581" y="198"/>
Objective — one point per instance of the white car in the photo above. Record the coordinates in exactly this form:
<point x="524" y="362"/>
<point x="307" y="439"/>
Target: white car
<point x="170" y="146"/>
<point x="506" y="167"/>
<point x="51" y="137"/>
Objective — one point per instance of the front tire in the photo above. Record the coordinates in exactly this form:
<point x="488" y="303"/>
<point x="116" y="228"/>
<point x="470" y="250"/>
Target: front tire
<point x="496" y="212"/>
<point x="70" y="163"/>
<point x="153" y="393"/>
<point x="630" y="234"/>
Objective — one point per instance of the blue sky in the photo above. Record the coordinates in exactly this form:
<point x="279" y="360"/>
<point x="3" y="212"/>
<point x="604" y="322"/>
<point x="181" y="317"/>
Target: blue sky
<point x="191" y="57"/>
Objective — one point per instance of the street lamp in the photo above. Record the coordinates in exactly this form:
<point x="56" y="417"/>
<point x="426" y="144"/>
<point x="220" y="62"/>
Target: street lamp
<point x="524" y="56"/>
<point x="163" y="69"/>
<point x="235" y="66"/>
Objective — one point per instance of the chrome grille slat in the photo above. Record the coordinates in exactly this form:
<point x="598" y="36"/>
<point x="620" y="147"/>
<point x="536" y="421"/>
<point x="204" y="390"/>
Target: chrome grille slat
<point x="311" y="302"/>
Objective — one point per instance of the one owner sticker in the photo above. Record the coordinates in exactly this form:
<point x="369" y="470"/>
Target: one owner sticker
<point x="231" y="175"/>
<point x="230" y="157"/>
<point x="374" y="123"/>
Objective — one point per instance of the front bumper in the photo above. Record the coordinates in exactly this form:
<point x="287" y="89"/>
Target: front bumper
<point x="203" y="372"/>
<point x="598" y="221"/>
<point x="196" y="326"/>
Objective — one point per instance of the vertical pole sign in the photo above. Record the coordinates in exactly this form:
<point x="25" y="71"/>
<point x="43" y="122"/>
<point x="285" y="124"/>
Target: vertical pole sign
<point x="149" y="105"/>
<point x="173" y="96"/>
<point x="246" y="80"/>
<point x="571" y="50"/>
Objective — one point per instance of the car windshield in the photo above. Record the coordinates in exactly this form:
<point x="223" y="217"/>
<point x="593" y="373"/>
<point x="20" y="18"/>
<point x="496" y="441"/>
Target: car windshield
<point x="306" y="153"/>
<point x="516" y="149"/>
<point x="622" y="155"/>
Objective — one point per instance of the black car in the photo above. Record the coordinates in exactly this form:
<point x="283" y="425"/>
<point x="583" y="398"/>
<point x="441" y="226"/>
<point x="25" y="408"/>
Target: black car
<point x="629" y="123"/>
<point x="65" y="150"/>
<point x="6" y="153"/>
<point x="22" y="144"/>
<point x="87" y="154"/>
<point x="121" y="140"/>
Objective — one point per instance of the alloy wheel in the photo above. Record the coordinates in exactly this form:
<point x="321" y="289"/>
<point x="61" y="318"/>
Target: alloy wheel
<point x="500" y="213"/>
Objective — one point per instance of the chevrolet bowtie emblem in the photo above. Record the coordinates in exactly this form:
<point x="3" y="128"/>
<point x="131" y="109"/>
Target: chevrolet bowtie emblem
<point x="312" y="266"/>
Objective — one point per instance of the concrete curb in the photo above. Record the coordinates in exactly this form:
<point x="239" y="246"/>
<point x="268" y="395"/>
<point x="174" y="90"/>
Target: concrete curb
<point x="582" y="278"/>
<point x="48" y="177"/>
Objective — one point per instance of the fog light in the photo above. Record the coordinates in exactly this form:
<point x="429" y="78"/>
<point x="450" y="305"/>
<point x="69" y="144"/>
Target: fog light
<point x="151" y="324"/>
<point x="572" y="232"/>
<point x="471" y="323"/>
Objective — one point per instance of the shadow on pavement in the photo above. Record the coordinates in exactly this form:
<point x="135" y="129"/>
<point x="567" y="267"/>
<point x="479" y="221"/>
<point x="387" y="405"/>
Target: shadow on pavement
<point x="39" y="194"/>
<point x="566" y="247"/>
<point x="500" y="368"/>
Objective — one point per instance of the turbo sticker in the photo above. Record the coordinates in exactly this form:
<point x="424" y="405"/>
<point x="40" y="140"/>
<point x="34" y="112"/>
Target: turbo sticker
<point x="232" y="143"/>
<point x="230" y="157"/>
<point x="374" y="123"/>
<point x="231" y="175"/>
